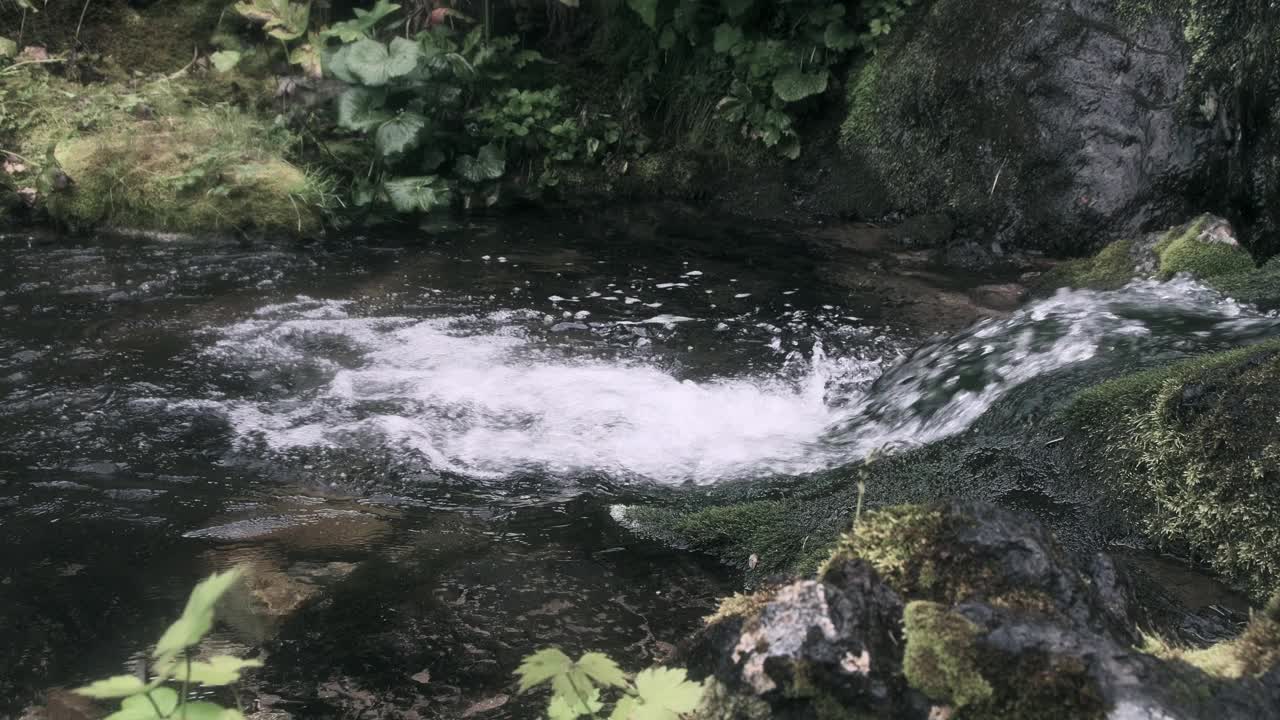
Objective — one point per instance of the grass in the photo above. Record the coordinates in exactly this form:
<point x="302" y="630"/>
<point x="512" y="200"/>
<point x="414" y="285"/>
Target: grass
<point x="152" y="155"/>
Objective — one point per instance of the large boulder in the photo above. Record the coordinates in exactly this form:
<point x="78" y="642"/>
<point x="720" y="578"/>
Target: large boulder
<point x="966" y="610"/>
<point x="1060" y="124"/>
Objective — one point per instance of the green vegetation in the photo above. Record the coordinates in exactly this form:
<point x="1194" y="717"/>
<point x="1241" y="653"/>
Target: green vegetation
<point x="440" y="111"/>
<point x="1186" y="252"/>
<point x="940" y="659"/>
<point x="1110" y="269"/>
<point x="156" y="157"/>
<point x="1191" y="451"/>
<point x="173" y="663"/>
<point x="576" y="687"/>
<point x="1254" y="653"/>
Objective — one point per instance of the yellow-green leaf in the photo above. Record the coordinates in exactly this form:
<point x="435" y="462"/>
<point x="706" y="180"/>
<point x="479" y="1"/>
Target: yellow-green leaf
<point x="571" y="707"/>
<point x="113" y="687"/>
<point x="144" y="707"/>
<point x="625" y="707"/>
<point x="602" y="669"/>
<point x="665" y="694"/>
<point x="542" y="666"/>
<point x="220" y="670"/>
<point x="197" y="617"/>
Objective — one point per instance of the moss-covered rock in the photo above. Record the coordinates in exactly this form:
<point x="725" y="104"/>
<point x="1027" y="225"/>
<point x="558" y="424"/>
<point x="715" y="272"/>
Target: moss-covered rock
<point x="1204" y="249"/>
<point x="829" y="647"/>
<point x="1253" y="654"/>
<point x="1193" y="453"/>
<point x="1064" y="125"/>
<point x="941" y="658"/>
<point x="150" y="155"/>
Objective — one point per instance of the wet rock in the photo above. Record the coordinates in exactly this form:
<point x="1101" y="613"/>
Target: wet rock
<point x="60" y="704"/>
<point x="1059" y="124"/>
<point x="1189" y="451"/>
<point x="271" y="593"/>
<point x="1004" y="296"/>
<point x="971" y="611"/>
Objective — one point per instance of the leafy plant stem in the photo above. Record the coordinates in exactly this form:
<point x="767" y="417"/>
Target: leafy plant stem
<point x="186" y="685"/>
<point x="154" y="706"/>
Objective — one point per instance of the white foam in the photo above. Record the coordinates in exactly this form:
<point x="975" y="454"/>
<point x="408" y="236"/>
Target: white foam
<point x="478" y="396"/>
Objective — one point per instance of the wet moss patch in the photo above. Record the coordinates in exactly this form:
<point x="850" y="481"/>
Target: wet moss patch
<point x="1192" y="451"/>
<point x="941" y="659"/>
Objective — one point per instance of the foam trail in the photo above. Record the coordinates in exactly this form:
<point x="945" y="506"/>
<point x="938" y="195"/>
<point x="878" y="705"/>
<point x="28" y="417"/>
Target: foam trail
<point x="480" y="397"/>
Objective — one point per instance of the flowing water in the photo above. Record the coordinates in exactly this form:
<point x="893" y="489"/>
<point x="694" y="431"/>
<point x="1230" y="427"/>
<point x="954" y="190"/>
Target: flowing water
<point x="421" y="437"/>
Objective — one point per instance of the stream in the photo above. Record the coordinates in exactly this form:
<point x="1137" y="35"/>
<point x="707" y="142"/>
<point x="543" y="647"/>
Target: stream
<point x="418" y="437"/>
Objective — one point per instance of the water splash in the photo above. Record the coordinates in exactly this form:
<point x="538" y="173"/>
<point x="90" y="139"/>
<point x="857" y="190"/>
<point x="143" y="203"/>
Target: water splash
<point x="483" y="397"/>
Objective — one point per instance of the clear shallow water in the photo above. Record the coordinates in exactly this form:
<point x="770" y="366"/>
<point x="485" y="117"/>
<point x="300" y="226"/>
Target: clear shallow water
<point x="449" y="417"/>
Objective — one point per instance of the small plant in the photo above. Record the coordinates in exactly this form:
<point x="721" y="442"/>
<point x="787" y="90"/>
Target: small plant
<point x="173" y="664"/>
<point x="577" y="688"/>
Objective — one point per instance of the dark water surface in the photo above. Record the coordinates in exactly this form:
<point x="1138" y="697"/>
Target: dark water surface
<point x="431" y="428"/>
<point x="418" y="440"/>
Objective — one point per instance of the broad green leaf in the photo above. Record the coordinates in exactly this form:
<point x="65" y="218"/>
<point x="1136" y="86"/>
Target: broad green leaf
<point x="292" y="23"/>
<point x="8" y="48"/>
<point x="183" y="633"/>
<point x="334" y="62"/>
<point x="403" y="57"/>
<point x="727" y="37"/>
<point x="369" y="61"/>
<point x="602" y="669"/>
<point x="225" y="60"/>
<point x="647" y="10"/>
<point x="794" y="84"/>
<point x="399" y="134"/>
<point x="541" y="666"/>
<point x="202" y="710"/>
<point x="205" y="596"/>
<point x="197" y="617"/>
<point x="281" y="19"/>
<point x="488" y="164"/>
<point x="113" y="687"/>
<point x="625" y="707"/>
<point x="413" y="194"/>
<point x="307" y="58"/>
<point x="570" y="707"/>
<point x="839" y="36"/>
<point x="737" y="8"/>
<point x="143" y="707"/>
<point x="570" y="3"/>
<point x="220" y="670"/>
<point x="362" y="109"/>
<point x="665" y="694"/>
<point x="362" y="25"/>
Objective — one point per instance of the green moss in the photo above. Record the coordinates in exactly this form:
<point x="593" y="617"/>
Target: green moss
<point x="1253" y="654"/>
<point x="1111" y="268"/>
<point x="211" y="169"/>
<point x="154" y="156"/>
<point x="159" y="38"/>
<point x="1185" y="252"/>
<point x="667" y="173"/>
<point x="1257" y="286"/>
<point x="940" y="659"/>
<point x="859" y="126"/>
<point x="740" y="605"/>
<point x="901" y="543"/>
<point x="1191" y="451"/>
